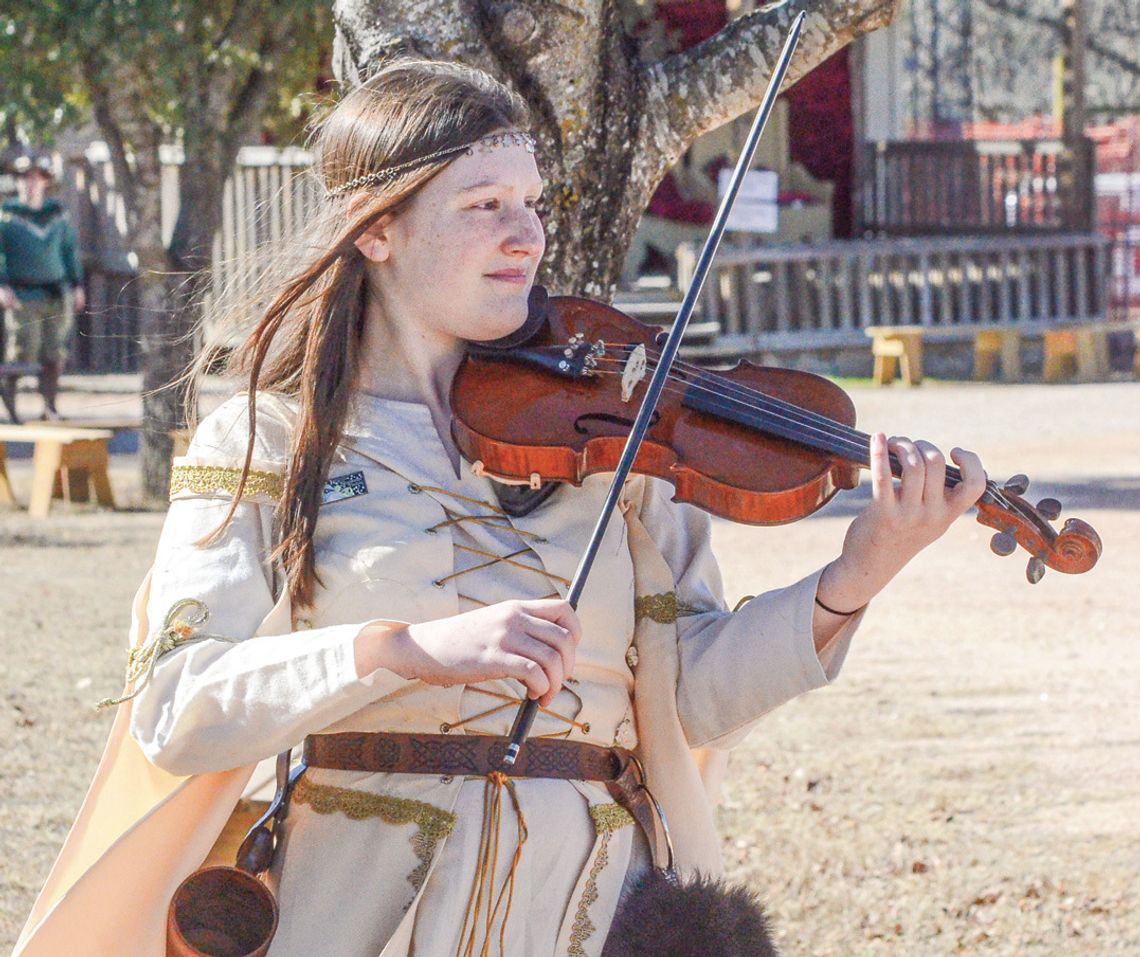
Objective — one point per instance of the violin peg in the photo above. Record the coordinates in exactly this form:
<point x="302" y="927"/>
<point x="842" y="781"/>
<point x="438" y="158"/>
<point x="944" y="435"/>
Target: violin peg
<point x="1049" y="508"/>
<point x="1018" y="485"/>
<point x="1035" y="570"/>
<point x="1003" y="544"/>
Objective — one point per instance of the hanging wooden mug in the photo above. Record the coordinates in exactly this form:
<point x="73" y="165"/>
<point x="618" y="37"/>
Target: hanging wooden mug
<point x="229" y="911"/>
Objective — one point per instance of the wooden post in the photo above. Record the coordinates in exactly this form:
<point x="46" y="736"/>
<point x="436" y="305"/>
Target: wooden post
<point x="6" y="496"/>
<point x="1075" y="169"/>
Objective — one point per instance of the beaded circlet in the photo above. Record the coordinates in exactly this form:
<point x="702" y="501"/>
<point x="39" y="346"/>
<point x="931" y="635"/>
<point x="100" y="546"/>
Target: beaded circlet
<point x="484" y="144"/>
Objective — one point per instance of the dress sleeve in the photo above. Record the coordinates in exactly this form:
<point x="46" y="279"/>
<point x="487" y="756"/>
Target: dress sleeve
<point x="228" y="697"/>
<point x="735" y="667"/>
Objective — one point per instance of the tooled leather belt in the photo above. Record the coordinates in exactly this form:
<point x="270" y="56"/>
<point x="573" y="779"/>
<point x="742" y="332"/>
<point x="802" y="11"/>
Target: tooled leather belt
<point x="479" y="755"/>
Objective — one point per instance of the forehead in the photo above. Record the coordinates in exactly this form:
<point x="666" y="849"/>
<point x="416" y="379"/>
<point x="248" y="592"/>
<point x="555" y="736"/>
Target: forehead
<point x="510" y="165"/>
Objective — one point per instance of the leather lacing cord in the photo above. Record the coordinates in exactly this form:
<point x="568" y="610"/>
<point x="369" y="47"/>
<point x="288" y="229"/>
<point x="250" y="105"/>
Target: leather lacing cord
<point x="484" y="904"/>
<point x="510" y="702"/>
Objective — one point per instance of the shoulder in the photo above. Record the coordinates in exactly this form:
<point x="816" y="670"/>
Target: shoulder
<point x="225" y="431"/>
<point x="213" y="463"/>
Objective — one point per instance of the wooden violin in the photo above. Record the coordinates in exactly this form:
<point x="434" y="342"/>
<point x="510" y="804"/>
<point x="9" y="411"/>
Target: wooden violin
<point x="764" y="446"/>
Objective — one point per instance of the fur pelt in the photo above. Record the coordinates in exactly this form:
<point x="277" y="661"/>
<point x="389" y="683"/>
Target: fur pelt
<point x="698" y="918"/>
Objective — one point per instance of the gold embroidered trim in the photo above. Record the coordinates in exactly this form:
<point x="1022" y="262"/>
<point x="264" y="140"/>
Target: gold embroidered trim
<point x="610" y="817"/>
<point x="179" y="627"/>
<point x="663" y="609"/>
<point x="607" y="819"/>
<point x="432" y="823"/>
<point x="583" y="928"/>
<point x="208" y="479"/>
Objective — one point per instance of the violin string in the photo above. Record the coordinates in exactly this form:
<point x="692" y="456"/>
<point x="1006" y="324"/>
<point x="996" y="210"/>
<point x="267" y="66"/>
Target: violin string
<point x="850" y="437"/>
<point x="824" y="425"/>
<point x="846" y="440"/>
<point x="851" y="440"/>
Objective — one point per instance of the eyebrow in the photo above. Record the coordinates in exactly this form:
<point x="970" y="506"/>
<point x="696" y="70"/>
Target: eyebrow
<point x="483" y="184"/>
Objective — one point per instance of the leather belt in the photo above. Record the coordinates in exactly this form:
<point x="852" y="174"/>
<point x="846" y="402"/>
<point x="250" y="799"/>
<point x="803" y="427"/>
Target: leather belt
<point x="479" y="755"/>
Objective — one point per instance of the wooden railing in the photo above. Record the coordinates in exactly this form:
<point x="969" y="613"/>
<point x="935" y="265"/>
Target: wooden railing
<point x="798" y="296"/>
<point x="976" y="187"/>
<point x="824" y="295"/>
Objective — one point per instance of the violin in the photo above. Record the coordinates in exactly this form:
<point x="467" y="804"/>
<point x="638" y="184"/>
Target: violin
<point x="554" y="402"/>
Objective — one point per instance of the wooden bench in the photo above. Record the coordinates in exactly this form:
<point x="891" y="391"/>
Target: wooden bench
<point x="899" y="349"/>
<point x="10" y="372"/>
<point x="994" y="345"/>
<point x="895" y="348"/>
<point x="67" y="463"/>
<point x="1077" y="350"/>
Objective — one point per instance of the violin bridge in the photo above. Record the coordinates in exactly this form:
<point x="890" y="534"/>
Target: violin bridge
<point x="633" y="373"/>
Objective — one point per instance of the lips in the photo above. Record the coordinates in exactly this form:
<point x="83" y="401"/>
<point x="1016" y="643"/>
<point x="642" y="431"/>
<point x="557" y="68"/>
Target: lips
<point x="517" y="276"/>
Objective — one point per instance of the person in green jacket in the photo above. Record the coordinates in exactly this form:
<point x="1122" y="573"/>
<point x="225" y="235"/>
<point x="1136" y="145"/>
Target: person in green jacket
<point x="40" y="276"/>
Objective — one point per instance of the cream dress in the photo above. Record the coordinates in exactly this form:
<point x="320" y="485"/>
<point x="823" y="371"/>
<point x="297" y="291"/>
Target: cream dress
<point x="376" y="865"/>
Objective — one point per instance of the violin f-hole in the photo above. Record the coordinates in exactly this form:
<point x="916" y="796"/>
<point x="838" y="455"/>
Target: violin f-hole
<point x="580" y="423"/>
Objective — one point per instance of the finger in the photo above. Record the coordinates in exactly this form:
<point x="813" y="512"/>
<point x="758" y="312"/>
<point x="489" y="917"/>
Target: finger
<point x="974" y="478"/>
<point x="530" y="673"/>
<point x="547" y="658"/>
<point x="882" y="485"/>
<point x="554" y="636"/>
<point x="913" y="472"/>
<point x="934" y="482"/>
<point x="557" y="610"/>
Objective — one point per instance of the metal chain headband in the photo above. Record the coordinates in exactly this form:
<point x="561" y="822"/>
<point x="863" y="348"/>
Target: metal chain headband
<point x="485" y="144"/>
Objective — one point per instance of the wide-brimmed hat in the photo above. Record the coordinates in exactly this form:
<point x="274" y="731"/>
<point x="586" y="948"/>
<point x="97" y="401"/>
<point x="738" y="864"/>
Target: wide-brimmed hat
<point x="26" y="165"/>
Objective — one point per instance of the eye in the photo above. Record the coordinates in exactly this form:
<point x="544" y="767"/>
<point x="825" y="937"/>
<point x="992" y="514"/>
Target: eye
<point x="533" y="203"/>
<point x="488" y="204"/>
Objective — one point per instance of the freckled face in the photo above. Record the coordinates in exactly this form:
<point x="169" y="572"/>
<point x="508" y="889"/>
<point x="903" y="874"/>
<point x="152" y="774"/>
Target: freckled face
<point x="462" y="255"/>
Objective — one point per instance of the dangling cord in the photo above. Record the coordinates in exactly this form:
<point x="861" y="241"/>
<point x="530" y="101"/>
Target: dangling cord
<point x="488" y="855"/>
<point x="508" y="887"/>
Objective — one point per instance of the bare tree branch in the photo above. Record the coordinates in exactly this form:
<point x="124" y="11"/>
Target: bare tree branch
<point x="229" y="27"/>
<point x="1056" y="24"/>
<point x="608" y="127"/>
<point x="705" y="86"/>
<point x="94" y="69"/>
<point x="368" y="35"/>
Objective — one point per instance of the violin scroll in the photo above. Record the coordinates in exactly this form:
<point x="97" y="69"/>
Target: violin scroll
<point x="1072" y="550"/>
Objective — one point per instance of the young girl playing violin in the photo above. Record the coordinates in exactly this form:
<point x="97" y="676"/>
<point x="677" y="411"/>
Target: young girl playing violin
<point x="331" y="570"/>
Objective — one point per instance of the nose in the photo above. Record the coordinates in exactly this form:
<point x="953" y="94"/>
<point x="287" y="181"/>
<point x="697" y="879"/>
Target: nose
<point x="525" y="237"/>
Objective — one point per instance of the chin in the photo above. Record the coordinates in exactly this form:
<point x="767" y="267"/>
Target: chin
<point x="500" y="320"/>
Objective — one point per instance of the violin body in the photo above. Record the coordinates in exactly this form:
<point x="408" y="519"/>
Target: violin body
<point x="516" y="421"/>
<point x="555" y="401"/>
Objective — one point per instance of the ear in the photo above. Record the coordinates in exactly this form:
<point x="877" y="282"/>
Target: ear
<point x="373" y="242"/>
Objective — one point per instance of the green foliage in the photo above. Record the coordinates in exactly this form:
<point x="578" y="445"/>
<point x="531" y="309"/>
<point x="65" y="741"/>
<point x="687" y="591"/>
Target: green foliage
<point x="174" y="62"/>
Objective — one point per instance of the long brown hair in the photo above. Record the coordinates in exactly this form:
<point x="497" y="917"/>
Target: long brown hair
<point x="306" y="344"/>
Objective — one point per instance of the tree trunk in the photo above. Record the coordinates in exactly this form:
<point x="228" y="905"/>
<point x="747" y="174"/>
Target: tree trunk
<point x="609" y="126"/>
<point x="173" y="278"/>
<point x="170" y="333"/>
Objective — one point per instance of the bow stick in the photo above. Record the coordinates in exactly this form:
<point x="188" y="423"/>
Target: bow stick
<point x="527" y="712"/>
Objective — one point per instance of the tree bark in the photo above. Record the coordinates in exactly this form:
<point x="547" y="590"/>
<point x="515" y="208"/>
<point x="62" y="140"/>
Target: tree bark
<point x="223" y="111"/>
<point x="609" y="126"/>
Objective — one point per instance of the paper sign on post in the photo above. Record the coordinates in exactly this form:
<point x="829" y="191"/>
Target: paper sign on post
<point x="756" y="210"/>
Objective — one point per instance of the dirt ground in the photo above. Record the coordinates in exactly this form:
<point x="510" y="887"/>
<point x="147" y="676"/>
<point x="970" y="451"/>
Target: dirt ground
<point x="969" y="786"/>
